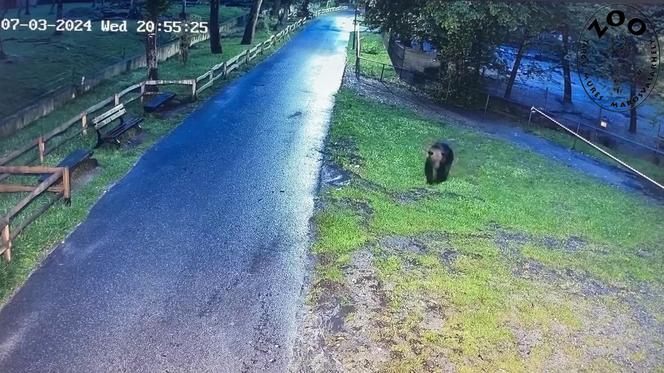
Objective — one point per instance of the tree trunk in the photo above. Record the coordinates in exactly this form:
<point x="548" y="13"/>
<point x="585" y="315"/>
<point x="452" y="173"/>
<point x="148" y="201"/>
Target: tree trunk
<point x="276" y="7"/>
<point x="151" y="56"/>
<point x="215" y="39"/>
<point x="27" y="7"/>
<point x="567" y="93"/>
<point x="515" y="67"/>
<point x="58" y="15"/>
<point x="250" y="29"/>
<point x="632" y="109"/>
<point x="283" y="18"/>
<point x="304" y="11"/>
<point x="3" y="12"/>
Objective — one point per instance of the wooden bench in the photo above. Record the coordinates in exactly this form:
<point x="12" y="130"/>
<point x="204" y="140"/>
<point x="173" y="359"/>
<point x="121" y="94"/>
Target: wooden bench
<point x="113" y="136"/>
<point x="73" y="160"/>
<point x="157" y="101"/>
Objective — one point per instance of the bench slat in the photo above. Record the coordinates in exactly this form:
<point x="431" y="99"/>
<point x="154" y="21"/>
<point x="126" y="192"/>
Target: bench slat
<point x="157" y="101"/>
<point x="110" y="119"/>
<point x="107" y="114"/>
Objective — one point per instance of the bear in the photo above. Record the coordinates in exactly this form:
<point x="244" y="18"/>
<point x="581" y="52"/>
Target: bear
<point x="438" y="163"/>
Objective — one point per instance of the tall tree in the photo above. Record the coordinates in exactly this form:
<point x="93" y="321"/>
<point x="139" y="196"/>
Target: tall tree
<point x="276" y="8"/>
<point x="153" y="9"/>
<point x="215" y="38"/>
<point x="58" y="15"/>
<point x="304" y="10"/>
<point x="285" y="13"/>
<point x="3" y="12"/>
<point x="250" y="28"/>
<point x="564" y="60"/>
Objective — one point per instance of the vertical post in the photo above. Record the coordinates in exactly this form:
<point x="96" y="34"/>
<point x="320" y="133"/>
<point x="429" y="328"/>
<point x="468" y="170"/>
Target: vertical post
<point x="84" y="122"/>
<point x="193" y="89"/>
<point x="224" y="69"/>
<point x="530" y="117"/>
<point x="382" y="71"/>
<point x="116" y="99"/>
<point x="42" y="148"/>
<point x="578" y="127"/>
<point x="6" y="243"/>
<point x="211" y="75"/>
<point x="142" y="91"/>
<point x="66" y="185"/>
<point x="486" y="105"/>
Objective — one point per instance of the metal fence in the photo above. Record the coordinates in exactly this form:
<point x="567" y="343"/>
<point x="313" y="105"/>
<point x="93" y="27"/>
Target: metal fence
<point x="485" y="101"/>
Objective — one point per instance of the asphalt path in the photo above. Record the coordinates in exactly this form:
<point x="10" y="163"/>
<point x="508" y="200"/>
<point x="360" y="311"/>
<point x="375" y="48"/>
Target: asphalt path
<point x="195" y="260"/>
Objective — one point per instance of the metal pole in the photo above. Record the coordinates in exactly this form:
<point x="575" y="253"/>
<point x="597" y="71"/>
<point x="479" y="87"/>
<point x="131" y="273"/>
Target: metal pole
<point x="598" y="148"/>
<point x="578" y="127"/>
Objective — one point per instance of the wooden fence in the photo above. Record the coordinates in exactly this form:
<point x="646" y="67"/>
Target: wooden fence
<point x="45" y="144"/>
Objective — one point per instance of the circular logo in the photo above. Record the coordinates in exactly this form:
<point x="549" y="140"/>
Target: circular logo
<point x="618" y="57"/>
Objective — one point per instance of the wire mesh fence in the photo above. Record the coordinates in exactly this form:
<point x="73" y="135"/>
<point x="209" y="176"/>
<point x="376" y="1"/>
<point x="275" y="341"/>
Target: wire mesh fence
<point x="490" y="99"/>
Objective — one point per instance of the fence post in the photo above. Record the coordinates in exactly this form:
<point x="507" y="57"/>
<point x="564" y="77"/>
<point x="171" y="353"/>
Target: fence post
<point x="142" y="90"/>
<point x="578" y="127"/>
<point x="41" y="147"/>
<point x="530" y="117"/>
<point x="116" y="99"/>
<point x="6" y="243"/>
<point x="382" y="71"/>
<point x="66" y="186"/>
<point x="224" y="70"/>
<point x="211" y="75"/>
<point x="193" y="89"/>
<point x="84" y="123"/>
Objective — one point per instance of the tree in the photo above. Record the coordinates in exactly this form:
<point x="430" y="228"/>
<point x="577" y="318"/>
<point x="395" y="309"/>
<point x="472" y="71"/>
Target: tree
<point x="3" y="12"/>
<point x="153" y="9"/>
<point x="285" y="14"/>
<point x="215" y="38"/>
<point x="304" y="10"/>
<point x="250" y="28"/>
<point x="564" y="60"/>
<point x="58" y="15"/>
<point x="276" y="7"/>
<point x="183" y="12"/>
<point x="27" y="7"/>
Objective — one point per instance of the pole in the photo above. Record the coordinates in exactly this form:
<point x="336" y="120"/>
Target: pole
<point x="486" y="105"/>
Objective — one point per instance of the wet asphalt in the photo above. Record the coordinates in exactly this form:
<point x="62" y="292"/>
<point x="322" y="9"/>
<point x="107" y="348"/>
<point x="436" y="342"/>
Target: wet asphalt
<point x="195" y="260"/>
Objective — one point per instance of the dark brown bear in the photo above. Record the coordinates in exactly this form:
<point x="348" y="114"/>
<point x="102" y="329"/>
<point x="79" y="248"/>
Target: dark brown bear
<point x="438" y="163"/>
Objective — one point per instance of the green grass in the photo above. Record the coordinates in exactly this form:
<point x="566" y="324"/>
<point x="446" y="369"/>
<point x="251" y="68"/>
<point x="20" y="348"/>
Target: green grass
<point x="41" y="60"/>
<point x="53" y="226"/>
<point x="497" y="193"/>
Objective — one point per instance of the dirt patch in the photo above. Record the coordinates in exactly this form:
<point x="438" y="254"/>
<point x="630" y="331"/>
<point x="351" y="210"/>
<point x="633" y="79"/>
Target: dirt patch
<point x="338" y="333"/>
<point x="369" y="323"/>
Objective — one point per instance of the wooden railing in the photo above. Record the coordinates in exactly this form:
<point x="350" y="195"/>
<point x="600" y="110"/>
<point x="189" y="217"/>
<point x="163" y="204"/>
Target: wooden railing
<point x="63" y="190"/>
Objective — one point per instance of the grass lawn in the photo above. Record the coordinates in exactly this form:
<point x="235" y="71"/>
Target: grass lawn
<point x="515" y="263"/>
<point x="50" y="228"/>
<point x="39" y="60"/>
